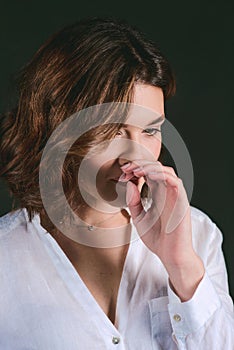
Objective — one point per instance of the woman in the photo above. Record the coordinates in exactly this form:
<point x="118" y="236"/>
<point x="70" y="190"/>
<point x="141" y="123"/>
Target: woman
<point x="108" y="270"/>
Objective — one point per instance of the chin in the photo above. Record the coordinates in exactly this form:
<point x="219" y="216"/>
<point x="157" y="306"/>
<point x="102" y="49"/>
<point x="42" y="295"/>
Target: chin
<point x="114" y="193"/>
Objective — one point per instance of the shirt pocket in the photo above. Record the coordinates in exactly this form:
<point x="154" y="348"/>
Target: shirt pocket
<point x="161" y="329"/>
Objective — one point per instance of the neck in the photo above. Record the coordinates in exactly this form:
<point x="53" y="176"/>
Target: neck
<point x="88" y="216"/>
<point x="95" y="257"/>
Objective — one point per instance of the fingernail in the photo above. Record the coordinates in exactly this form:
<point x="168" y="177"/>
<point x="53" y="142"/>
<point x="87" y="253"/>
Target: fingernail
<point x="125" y="166"/>
<point x="122" y="177"/>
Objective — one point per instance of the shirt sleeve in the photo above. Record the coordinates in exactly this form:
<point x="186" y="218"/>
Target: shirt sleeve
<point x="206" y="321"/>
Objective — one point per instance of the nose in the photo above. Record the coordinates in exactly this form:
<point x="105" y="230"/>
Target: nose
<point x="123" y="161"/>
<point x="131" y="148"/>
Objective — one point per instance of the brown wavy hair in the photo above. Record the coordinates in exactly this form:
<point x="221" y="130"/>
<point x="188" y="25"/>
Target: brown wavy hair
<point x="94" y="61"/>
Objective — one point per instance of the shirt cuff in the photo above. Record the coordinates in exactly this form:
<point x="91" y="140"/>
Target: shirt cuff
<point x="187" y="317"/>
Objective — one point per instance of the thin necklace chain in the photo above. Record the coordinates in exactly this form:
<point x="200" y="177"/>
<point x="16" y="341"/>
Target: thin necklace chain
<point x="93" y="227"/>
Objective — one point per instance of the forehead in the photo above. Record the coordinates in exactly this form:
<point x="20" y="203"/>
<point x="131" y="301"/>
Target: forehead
<point x="147" y="106"/>
<point x="148" y="96"/>
<point x="140" y="116"/>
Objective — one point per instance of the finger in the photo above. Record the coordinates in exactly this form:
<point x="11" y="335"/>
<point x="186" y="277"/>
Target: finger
<point x="159" y="194"/>
<point x="149" y="170"/>
<point x="163" y="176"/>
<point x="164" y="188"/>
<point x="152" y="168"/>
<point x="138" y="171"/>
<point x="133" y="200"/>
<point x="174" y="198"/>
<point x="137" y="163"/>
<point x="126" y="177"/>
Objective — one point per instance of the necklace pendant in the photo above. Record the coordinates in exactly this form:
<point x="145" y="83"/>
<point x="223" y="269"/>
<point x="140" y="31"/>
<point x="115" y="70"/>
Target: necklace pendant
<point x="90" y="227"/>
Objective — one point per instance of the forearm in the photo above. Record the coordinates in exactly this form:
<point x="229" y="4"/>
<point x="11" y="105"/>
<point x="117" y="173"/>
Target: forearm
<point x="185" y="277"/>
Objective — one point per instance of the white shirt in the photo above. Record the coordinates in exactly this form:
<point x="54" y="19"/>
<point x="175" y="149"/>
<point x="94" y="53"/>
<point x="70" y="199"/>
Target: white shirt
<point x="45" y="305"/>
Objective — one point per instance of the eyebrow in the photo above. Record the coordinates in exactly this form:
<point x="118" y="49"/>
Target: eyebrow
<point x="160" y="119"/>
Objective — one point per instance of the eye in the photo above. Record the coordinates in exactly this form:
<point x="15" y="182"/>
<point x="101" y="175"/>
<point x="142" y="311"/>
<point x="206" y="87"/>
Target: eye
<point x="151" y="131"/>
<point x="118" y="133"/>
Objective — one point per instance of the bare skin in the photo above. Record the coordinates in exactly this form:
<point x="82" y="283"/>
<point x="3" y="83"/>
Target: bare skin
<point x="101" y="268"/>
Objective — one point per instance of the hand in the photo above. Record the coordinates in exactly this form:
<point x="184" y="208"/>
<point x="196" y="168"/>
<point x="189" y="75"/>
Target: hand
<point x="166" y="227"/>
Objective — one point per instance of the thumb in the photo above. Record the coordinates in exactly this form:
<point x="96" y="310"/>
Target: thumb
<point x="133" y="200"/>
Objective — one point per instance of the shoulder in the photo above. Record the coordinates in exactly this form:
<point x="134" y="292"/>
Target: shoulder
<point x="205" y="233"/>
<point x="200" y="215"/>
<point x="13" y="220"/>
<point x="201" y="219"/>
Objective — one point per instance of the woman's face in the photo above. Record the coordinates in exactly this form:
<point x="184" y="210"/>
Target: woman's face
<point x="138" y="139"/>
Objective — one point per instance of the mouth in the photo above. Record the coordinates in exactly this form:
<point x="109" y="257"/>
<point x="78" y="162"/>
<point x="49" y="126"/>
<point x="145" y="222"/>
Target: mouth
<point x="133" y="179"/>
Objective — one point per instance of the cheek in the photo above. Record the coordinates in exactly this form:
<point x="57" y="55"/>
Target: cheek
<point x="95" y="164"/>
<point x="87" y="174"/>
<point x="154" y="145"/>
<point x="104" y="172"/>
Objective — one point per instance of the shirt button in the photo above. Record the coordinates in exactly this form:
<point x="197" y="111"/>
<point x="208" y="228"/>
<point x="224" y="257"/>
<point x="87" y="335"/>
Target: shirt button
<point x="115" y="340"/>
<point x="177" y="318"/>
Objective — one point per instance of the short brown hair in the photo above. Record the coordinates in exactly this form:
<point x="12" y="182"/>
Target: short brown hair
<point x="93" y="61"/>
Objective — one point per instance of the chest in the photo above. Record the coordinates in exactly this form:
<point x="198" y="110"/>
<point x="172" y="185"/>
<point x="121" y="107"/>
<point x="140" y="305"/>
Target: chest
<point x="104" y="290"/>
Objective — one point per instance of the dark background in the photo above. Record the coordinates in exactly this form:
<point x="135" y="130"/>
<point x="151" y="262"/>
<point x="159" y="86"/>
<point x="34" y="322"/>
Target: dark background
<point x="197" y="38"/>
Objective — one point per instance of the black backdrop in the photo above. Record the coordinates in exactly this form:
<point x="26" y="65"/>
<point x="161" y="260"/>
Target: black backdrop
<point x="197" y="38"/>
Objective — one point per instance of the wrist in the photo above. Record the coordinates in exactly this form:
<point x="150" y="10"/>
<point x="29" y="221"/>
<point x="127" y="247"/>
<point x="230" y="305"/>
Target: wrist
<point x="184" y="278"/>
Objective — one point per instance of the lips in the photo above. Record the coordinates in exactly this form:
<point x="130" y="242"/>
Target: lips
<point x="133" y="179"/>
